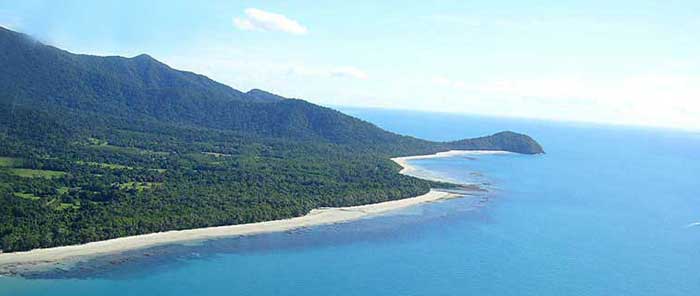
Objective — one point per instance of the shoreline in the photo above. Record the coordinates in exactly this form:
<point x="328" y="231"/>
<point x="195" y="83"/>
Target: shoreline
<point x="409" y="170"/>
<point x="50" y="256"/>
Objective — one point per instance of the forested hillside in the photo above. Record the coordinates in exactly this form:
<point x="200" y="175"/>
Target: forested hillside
<point x="93" y="148"/>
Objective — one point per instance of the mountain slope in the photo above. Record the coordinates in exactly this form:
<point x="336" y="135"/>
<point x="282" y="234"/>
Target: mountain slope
<point x="263" y="96"/>
<point x="141" y="87"/>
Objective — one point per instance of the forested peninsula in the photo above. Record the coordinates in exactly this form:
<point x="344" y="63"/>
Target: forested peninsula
<point x="95" y="148"/>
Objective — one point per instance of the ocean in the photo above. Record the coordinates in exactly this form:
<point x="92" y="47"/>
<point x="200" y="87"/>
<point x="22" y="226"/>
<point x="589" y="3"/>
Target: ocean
<point x="608" y="210"/>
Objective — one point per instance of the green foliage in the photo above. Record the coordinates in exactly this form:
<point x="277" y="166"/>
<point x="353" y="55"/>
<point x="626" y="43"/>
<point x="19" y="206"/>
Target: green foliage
<point x="105" y="165"/>
<point x="28" y="196"/>
<point x="210" y="177"/>
<point x="30" y="173"/>
<point x="94" y="148"/>
<point x="138" y="186"/>
<point x="10" y="162"/>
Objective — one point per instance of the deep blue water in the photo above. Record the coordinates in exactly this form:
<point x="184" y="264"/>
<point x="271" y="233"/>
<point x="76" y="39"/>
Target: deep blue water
<point x="604" y="212"/>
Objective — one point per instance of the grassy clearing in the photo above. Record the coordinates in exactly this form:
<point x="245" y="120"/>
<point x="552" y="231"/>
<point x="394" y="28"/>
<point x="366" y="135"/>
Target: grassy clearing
<point x="30" y="173"/>
<point x="208" y="158"/>
<point x="217" y="154"/>
<point x="138" y="186"/>
<point x="97" y="142"/>
<point x="26" y="196"/>
<point x="62" y="206"/>
<point x="128" y="150"/>
<point x="112" y="166"/>
<point x="10" y="162"/>
<point x="62" y="190"/>
<point x="52" y="202"/>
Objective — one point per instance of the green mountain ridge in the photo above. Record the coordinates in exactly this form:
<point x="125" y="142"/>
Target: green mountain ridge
<point x="93" y="148"/>
<point x="141" y="86"/>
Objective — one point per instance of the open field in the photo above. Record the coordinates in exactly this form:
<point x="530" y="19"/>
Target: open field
<point x="26" y="196"/>
<point x="10" y="162"/>
<point x="30" y="173"/>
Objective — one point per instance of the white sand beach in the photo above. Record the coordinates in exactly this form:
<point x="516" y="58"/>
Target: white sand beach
<point x="315" y="217"/>
<point x="49" y="256"/>
<point x="410" y="170"/>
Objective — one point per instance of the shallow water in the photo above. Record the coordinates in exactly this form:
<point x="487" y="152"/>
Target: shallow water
<point x="604" y="212"/>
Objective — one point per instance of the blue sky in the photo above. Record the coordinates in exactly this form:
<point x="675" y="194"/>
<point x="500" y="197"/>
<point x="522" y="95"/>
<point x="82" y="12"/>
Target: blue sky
<point x="629" y="62"/>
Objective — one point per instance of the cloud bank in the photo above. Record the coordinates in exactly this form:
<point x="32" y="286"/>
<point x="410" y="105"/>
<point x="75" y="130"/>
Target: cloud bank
<point x="662" y="100"/>
<point x="260" y="20"/>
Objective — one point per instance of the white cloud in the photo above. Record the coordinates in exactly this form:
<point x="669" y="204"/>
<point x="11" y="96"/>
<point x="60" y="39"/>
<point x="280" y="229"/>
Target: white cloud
<point x="260" y="20"/>
<point x="349" y="72"/>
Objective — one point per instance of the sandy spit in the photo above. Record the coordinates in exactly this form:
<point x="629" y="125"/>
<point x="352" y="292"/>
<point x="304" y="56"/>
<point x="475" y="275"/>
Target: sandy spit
<point x="410" y="170"/>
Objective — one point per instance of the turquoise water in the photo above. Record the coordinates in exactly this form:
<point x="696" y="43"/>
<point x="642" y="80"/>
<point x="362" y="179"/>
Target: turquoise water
<point x="604" y="212"/>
